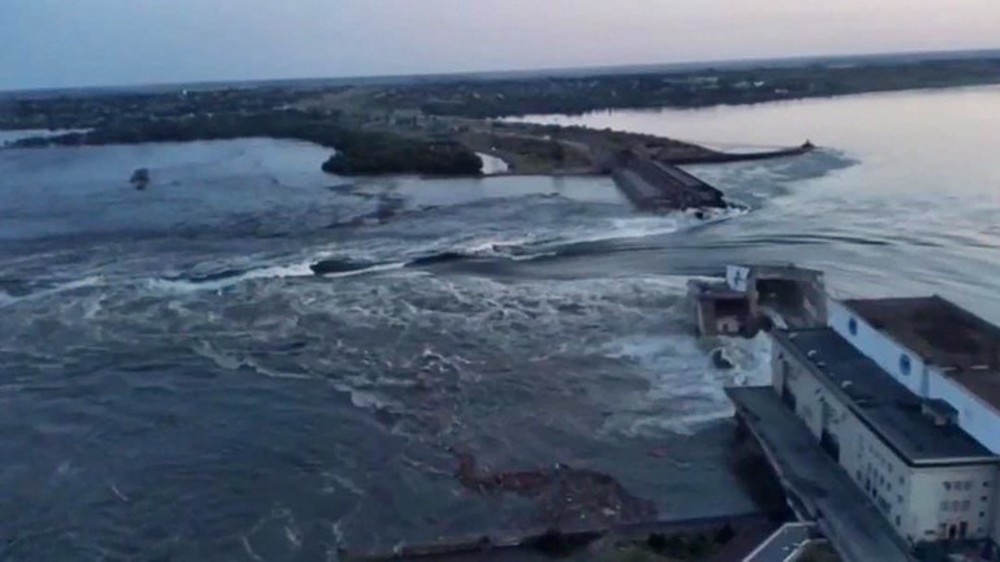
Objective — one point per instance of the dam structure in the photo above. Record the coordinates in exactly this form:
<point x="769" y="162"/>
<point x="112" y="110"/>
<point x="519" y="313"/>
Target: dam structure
<point x="656" y="186"/>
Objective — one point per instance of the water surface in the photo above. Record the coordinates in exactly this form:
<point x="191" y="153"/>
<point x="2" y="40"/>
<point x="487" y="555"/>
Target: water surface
<point x="175" y="382"/>
<point x="909" y="201"/>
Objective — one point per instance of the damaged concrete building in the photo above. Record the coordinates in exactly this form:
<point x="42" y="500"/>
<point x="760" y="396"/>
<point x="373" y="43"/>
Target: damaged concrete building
<point x="903" y="395"/>
<point x="756" y="295"/>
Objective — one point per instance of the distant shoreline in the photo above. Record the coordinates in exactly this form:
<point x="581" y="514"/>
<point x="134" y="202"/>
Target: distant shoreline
<point x="437" y="128"/>
<point x="505" y="74"/>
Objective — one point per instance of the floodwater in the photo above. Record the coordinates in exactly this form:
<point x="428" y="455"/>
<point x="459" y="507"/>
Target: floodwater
<point x="176" y="383"/>
<point x="908" y="204"/>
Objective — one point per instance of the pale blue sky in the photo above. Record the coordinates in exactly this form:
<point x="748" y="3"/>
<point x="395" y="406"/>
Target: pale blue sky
<point x="50" y="43"/>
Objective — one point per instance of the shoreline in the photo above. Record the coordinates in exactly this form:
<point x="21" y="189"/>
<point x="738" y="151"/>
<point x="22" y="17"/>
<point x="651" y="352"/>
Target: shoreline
<point x="525" y="118"/>
<point x="522" y="149"/>
<point x="437" y="127"/>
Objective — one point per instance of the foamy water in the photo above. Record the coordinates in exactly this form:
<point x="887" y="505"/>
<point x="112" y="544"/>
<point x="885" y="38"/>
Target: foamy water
<point x="11" y="136"/>
<point x="493" y="165"/>
<point x="157" y="343"/>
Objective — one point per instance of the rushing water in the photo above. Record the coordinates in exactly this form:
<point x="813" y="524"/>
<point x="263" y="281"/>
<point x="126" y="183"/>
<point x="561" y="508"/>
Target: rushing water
<point x="912" y="206"/>
<point x="175" y="382"/>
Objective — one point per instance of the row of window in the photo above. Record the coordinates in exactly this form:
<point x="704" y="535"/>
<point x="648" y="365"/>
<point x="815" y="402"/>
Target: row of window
<point x="948" y="531"/>
<point x="876" y="476"/>
<point x="958" y="485"/>
<point x="879" y="480"/>
<point x="956" y="505"/>
<point x="874" y="453"/>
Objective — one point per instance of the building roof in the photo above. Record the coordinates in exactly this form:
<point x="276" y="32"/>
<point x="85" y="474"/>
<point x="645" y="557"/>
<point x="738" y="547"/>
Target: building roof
<point x="883" y="404"/>
<point x="964" y="346"/>
<point x="766" y="268"/>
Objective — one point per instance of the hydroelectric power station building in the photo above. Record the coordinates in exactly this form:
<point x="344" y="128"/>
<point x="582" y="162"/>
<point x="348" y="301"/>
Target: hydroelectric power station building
<point x="903" y="394"/>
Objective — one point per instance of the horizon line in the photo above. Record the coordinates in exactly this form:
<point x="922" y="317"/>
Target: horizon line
<point x="500" y="73"/>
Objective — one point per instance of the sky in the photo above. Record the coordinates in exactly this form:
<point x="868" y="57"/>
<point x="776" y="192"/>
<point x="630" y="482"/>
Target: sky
<point x="60" y="43"/>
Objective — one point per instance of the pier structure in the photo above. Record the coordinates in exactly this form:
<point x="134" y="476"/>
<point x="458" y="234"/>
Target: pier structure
<point x="656" y="186"/>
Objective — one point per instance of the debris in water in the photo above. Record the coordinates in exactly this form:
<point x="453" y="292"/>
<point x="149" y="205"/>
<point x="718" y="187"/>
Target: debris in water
<point x="564" y="494"/>
<point x="140" y="178"/>
<point x="721" y="359"/>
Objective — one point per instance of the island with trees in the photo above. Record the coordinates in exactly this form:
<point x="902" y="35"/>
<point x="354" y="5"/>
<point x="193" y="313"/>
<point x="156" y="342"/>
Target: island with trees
<point x="436" y="125"/>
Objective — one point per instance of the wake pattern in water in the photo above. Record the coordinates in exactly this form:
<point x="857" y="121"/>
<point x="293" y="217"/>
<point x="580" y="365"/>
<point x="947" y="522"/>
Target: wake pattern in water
<point x="295" y="361"/>
<point x="360" y="259"/>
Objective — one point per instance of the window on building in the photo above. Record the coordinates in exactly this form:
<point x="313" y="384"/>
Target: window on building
<point x="968" y="485"/>
<point x="956" y="505"/>
<point x="898" y="521"/>
<point x="983" y="498"/>
<point x="905" y="364"/>
<point x="899" y="499"/>
<point x="852" y="326"/>
<point x="986" y="484"/>
<point x="965" y="505"/>
<point x="900" y="480"/>
<point x="944" y="506"/>
<point x="947" y="485"/>
<point x="982" y="514"/>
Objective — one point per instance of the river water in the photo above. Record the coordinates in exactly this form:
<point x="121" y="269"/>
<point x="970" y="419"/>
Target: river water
<point x="908" y="204"/>
<point x="175" y="382"/>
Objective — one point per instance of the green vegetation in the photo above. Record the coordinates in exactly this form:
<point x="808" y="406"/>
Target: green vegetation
<point x="359" y="152"/>
<point x="705" y="87"/>
<point x="434" y="127"/>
